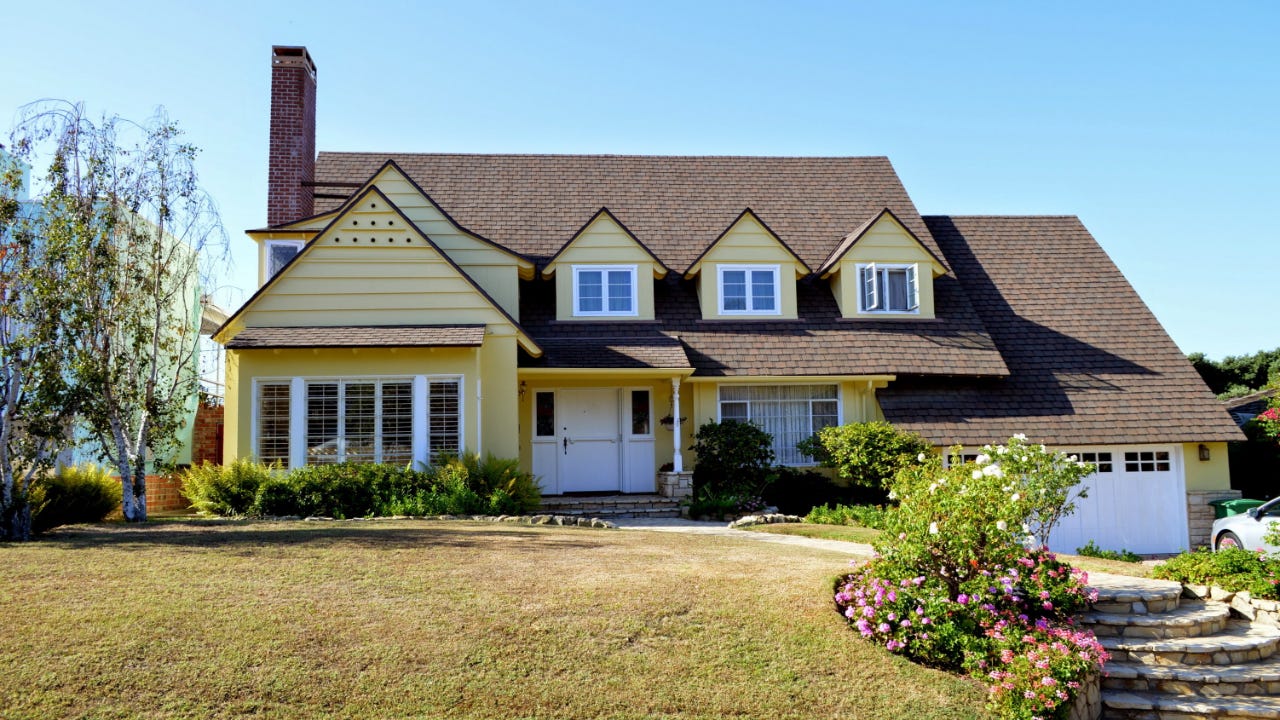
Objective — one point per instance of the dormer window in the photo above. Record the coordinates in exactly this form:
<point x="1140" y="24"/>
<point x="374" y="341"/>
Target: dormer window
<point x="749" y="290"/>
<point x="279" y="253"/>
<point x="888" y="288"/>
<point x="604" y="290"/>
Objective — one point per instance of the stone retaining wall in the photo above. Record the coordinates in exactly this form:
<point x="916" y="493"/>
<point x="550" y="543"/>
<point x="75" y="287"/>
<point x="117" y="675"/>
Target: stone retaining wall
<point x="1200" y="514"/>
<point x="1088" y="702"/>
<point x="1243" y="604"/>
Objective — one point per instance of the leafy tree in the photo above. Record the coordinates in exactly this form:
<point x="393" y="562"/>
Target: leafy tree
<point x="124" y="202"/>
<point x="34" y="347"/>
<point x="1238" y="375"/>
<point x="867" y="454"/>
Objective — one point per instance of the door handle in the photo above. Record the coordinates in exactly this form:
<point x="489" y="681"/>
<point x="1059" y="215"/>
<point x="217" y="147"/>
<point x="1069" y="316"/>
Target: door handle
<point x="566" y="445"/>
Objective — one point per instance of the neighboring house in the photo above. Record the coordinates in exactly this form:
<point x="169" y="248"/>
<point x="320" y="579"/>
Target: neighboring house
<point x="587" y="313"/>
<point x="81" y="447"/>
<point x="1247" y="407"/>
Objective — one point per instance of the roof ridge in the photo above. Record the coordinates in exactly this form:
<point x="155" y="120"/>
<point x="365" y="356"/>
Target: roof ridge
<point x="1032" y="216"/>
<point x="603" y="155"/>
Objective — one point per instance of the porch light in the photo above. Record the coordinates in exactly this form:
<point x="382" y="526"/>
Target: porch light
<point x="1204" y="452"/>
<point x="524" y="388"/>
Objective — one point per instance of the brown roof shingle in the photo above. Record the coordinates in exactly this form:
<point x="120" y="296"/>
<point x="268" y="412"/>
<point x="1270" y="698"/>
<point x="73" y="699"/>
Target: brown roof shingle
<point x="1088" y="362"/>
<point x="347" y="336"/>
<point x="651" y="350"/>
<point x="675" y="205"/>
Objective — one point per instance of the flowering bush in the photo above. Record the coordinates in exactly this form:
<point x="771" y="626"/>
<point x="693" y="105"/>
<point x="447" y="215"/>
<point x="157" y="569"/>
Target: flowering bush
<point x="954" y="586"/>
<point x="1269" y="421"/>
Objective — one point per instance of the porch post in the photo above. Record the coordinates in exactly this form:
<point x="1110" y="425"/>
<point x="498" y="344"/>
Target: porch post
<point x="677" y="462"/>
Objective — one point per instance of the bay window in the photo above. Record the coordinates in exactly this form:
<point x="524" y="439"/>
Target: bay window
<point x="359" y="420"/>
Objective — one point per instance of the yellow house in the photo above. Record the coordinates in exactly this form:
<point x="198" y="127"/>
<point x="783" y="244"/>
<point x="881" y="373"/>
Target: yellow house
<point x="587" y="313"/>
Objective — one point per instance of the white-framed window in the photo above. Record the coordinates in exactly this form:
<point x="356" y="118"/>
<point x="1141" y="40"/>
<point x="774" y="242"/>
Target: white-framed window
<point x="790" y="413"/>
<point x="749" y="289"/>
<point x="279" y="253"/>
<point x="888" y="288"/>
<point x="362" y="420"/>
<point x="603" y="290"/>
<point x="273" y="423"/>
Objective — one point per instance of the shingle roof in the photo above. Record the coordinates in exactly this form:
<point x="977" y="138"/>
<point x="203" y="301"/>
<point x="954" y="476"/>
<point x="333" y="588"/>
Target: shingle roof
<point x="675" y="205"/>
<point x="381" y="336"/>
<point x="1089" y="363"/>
<point x="820" y="343"/>
<point x="652" y="350"/>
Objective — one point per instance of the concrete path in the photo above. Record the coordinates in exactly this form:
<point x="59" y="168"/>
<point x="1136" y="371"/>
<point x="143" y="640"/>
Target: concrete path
<point x="697" y="527"/>
<point x="1102" y="581"/>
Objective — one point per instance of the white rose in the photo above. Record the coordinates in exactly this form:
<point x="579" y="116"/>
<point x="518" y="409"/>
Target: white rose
<point x="993" y="471"/>
<point x="933" y="528"/>
<point x="1020" y="436"/>
<point x="1002" y="526"/>
<point x="921" y="457"/>
<point x="983" y="459"/>
<point x="1016" y="497"/>
<point x="977" y="474"/>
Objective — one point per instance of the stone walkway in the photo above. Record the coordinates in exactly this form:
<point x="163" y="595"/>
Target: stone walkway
<point x="697" y="527"/>
<point x="1104" y="582"/>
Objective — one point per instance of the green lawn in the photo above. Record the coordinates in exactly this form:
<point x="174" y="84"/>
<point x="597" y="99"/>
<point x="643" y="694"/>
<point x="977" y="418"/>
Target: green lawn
<point x="428" y="619"/>
<point x="857" y="533"/>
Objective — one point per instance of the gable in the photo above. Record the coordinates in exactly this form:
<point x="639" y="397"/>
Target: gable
<point x="884" y="240"/>
<point x="372" y="266"/>
<point x="604" y="240"/>
<point x="749" y="240"/>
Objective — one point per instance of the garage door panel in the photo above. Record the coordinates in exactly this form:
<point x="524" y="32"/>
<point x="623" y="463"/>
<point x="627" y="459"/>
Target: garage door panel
<point x="1143" y="511"/>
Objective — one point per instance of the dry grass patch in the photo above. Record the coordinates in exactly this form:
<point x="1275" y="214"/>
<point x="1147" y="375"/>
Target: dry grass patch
<point x="422" y="619"/>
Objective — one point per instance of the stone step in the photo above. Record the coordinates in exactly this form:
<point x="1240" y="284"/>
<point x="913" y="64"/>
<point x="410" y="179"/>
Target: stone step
<point x="1148" y="706"/>
<point x="1189" y="619"/>
<point x="1239" y="642"/>
<point x="1257" y="678"/>
<point x="1135" y="596"/>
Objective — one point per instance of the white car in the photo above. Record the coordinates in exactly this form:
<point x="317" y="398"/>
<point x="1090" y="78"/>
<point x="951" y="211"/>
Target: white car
<point x="1246" y="529"/>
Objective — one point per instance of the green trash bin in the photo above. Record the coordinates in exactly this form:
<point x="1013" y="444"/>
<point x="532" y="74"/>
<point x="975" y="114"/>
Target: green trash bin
<point x="1234" y="506"/>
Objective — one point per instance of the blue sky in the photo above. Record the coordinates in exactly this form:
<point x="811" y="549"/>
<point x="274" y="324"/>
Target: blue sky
<point x="1158" y="123"/>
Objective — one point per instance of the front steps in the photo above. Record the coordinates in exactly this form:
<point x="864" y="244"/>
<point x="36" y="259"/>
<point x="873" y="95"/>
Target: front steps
<point x="612" y="506"/>
<point x="1179" y="659"/>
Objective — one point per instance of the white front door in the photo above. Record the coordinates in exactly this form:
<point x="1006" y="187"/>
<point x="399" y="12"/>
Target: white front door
<point x="589" y="439"/>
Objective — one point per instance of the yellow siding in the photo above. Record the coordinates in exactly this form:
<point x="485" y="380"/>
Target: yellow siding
<point x="884" y="242"/>
<point x="603" y="242"/>
<point x="489" y="409"/>
<point x="747" y="243"/>
<point x="369" y="270"/>
<point x="1213" y="474"/>
<point x="493" y="269"/>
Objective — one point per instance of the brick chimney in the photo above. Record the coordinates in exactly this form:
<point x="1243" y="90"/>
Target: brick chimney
<point x="291" y="154"/>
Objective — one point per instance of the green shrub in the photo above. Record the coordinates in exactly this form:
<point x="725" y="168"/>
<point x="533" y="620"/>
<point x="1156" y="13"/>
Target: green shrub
<point x="1091" y="550"/>
<point x="509" y="490"/>
<point x="224" y="489"/>
<point x="80" y="494"/>
<point x="867" y="454"/>
<point x="276" y="497"/>
<point x="872" y="516"/>
<point x="733" y="459"/>
<point x="723" y="506"/>
<point x="1232" y="569"/>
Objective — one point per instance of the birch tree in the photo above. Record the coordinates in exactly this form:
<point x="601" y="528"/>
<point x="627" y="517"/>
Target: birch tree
<point x="34" y="347"/>
<point x="125" y="199"/>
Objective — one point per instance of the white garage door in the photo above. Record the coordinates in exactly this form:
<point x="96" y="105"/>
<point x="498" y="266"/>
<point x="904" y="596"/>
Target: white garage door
<point x="1137" y="501"/>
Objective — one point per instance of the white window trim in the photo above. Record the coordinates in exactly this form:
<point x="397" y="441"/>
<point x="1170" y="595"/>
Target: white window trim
<point x="876" y="291"/>
<point x="266" y="265"/>
<point x="604" y="270"/>
<point x="839" y="406"/>
<point x="626" y="412"/>
<point x="748" y="269"/>
<point x="298" y="411"/>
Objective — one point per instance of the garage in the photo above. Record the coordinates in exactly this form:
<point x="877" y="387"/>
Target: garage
<point x="1137" y="501"/>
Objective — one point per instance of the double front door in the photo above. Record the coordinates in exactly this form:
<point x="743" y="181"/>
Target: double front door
<point x="593" y="440"/>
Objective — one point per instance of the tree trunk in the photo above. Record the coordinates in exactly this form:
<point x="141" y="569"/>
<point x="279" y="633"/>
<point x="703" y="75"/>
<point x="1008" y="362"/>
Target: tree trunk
<point x="15" y="521"/>
<point x="133" y="492"/>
